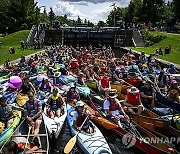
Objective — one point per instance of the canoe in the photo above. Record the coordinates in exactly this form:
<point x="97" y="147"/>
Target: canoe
<point x="6" y="134"/>
<point x="20" y="135"/>
<point x="54" y="126"/>
<point x="140" y="143"/>
<point x="156" y="125"/>
<point x="166" y="102"/>
<point x="94" y="143"/>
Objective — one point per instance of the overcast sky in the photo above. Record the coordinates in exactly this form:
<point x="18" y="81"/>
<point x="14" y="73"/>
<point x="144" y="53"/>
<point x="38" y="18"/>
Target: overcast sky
<point x="93" y="10"/>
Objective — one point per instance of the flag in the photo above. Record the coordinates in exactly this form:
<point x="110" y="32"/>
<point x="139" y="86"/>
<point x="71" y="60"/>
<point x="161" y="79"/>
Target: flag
<point x="114" y="4"/>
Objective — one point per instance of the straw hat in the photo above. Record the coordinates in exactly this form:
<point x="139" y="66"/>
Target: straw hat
<point x="112" y="94"/>
<point x="133" y="90"/>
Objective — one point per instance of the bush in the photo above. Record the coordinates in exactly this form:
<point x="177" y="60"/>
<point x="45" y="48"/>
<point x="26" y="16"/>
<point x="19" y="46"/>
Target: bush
<point x="151" y="38"/>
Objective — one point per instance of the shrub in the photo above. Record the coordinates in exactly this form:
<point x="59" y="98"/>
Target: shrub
<point x="151" y="38"/>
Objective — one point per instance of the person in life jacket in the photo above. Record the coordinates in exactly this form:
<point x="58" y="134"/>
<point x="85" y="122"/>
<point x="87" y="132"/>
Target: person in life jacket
<point x="90" y="74"/>
<point x="174" y="92"/>
<point x="79" y="116"/>
<point x="134" y="68"/>
<point x="33" y="113"/>
<point x="6" y="116"/>
<point x="104" y="84"/>
<point x="162" y="79"/>
<point x="114" y="109"/>
<point x="74" y="64"/>
<point x="26" y="86"/>
<point x="73" y="94"/>
<point x="45" y="85"/>
<point x="55" y="103"/>
<point x="133" y="99"/>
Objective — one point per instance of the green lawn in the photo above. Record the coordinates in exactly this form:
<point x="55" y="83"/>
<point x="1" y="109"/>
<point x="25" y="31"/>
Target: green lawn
<point x="13" y="40"/>
<point x="173" y="40"/>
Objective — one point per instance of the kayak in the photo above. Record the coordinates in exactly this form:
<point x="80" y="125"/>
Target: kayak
<point x="21" y="133"/>
<point x="98" y="119"/>
<point x="55" y="125"/>
<point x="6" y="134"/>
<point x="94" y="143"/>
<point x="84" y="91"/>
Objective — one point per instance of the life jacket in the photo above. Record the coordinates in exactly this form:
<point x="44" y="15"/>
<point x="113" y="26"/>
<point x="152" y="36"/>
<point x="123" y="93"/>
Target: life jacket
<point x="114" y="105"/>
<point x="55" y="102"/>
<point x="133" y="99"/>
<point x="35" y="105"/>
<point x="173" y="93"/>
<point x="105" y="83"/>
<point x="47" y="86"/>
<point x="133" y="82"/>
<point x="74" y="64"/>
<point x="176" y="120"/>
<point x="81" y="119"/>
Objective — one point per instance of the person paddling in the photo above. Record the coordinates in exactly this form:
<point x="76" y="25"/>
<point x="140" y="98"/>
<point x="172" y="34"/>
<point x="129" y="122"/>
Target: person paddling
<point x="114" y="110"/>
<point x="55" y="102"/>
<point x="80" y="115"/>
<point x="133" y="99"/>
<point x="33" y="113"/>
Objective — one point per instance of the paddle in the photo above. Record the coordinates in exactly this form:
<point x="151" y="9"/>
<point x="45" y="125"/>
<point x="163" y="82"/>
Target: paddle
<point x="26" y="149"/>
<point x="69" y="146"/>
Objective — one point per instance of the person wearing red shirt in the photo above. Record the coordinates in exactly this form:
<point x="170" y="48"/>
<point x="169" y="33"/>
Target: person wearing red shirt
<point x="133" y="99"/>
<point x="104" y="84"/>
<point x="74" y="64"/>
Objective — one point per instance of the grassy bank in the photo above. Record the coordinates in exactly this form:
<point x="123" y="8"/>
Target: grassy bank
<point x="173" y="40"/>
<point x="13" y="40"/>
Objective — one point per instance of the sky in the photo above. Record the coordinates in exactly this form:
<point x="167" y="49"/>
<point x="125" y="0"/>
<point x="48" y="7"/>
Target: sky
<point x="93" y="10"/>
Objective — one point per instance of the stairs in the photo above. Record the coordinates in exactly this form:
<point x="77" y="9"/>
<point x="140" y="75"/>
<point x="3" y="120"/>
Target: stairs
<point x="137" y="39"/>
<point x="30" y="39"/>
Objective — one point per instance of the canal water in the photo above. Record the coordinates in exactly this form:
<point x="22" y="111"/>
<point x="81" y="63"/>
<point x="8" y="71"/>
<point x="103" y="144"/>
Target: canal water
<point x="115" y="142"/>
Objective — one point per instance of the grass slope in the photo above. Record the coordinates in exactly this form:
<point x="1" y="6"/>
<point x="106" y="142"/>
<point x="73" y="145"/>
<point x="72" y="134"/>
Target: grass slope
<point x="13" y="40"/>
<point x="173" y="40"/>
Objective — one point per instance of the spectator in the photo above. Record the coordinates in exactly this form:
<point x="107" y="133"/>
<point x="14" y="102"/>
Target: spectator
<point x="22" y="44"/>
<point x="160" y="51"/>
<point x="11" y="50"/>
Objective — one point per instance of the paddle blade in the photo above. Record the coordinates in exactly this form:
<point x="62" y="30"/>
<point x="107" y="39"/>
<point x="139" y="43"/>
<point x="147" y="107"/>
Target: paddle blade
<point x="69" y="146"/>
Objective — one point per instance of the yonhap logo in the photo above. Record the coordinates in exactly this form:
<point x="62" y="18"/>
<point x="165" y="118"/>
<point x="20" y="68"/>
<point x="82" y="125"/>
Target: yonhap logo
<point x="128" y="140"/>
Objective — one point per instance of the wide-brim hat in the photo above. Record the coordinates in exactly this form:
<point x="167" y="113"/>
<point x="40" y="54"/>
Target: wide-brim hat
<point x="112" y="95"/>
<point x="57" y="74"/>
<point x="79" y="104"/>
<point x="133" y="90"/>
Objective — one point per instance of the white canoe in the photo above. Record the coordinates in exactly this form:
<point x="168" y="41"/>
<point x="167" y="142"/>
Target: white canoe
<point x="55" y="125"/>
<point x="94" y="143"/>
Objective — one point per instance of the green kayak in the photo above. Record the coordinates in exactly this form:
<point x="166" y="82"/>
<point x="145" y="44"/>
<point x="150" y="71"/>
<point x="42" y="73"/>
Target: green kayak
<point x="6" y="134"/>
<point x="84" y="91"/>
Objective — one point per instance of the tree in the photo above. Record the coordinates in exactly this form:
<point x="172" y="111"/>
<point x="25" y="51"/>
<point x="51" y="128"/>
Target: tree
<point x="17" y="14"/>
<point x="51" y="15"/>
<point x="177" y="9"/>
<point x="101" y="24"/>
<point x="79" y="21"/>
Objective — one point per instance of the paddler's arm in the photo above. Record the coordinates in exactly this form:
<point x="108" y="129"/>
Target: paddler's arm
<point x="125" y="102"/>
<point x="48" y="101"/>
<point x="16" y="107"/>
<point x="144" y="96"/>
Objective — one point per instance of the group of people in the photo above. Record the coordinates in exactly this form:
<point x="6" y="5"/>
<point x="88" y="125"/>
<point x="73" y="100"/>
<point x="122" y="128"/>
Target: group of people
<point x="89" y="64"/>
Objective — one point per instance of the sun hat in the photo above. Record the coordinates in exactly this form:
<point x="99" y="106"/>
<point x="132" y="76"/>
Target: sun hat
<point x="57" y="74"/>
<point x="45" y="78"/>
<point x="79" y="104"/>
<point x="173" y="82"/>
<point x="112" y="94"/>
<point x="133" y="90"/>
